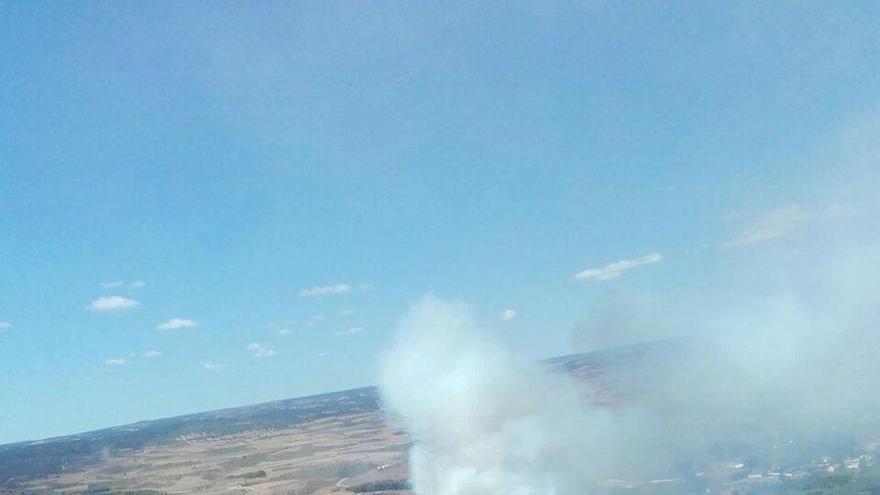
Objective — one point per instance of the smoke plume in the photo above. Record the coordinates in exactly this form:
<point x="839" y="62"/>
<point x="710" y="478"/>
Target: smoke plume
<point x="484" y="423"/>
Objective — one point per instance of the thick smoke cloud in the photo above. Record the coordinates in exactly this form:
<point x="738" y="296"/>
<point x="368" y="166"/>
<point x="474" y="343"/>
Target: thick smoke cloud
<point x="484" y="423"/>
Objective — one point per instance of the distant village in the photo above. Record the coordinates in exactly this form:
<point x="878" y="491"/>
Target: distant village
<point x="856" y="474"/>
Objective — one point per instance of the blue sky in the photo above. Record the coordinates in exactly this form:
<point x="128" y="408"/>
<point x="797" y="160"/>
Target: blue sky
<point x="180" y="183"/>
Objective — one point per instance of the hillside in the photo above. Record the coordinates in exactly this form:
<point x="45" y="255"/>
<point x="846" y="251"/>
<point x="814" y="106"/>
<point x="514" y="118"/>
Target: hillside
<point x="25" y="461"/>
<point x="341" y="443"/>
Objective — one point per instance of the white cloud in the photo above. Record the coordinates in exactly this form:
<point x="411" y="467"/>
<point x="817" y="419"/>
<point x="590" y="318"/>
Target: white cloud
<point x="284" y="332"/>
<point x="211" y="366"/>
<point x="260" y="350"/>
<point x="177" y="324"/>
<point x="4" y="325"/>
<point x="508" y="315"/>
<point x="152" y="354"/>
<point x="324" y="290"/>
<point x="615" y="269"/>
<point x="137" y="284"/>
<point x="775" y="224"/>
<point x="113" y="303"/>
<point x="116" y="362"/>
<point x="349" y="331"/>
<point x="112" y="285"/>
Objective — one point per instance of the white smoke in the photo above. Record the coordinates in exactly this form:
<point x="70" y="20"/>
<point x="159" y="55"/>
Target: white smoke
<point x="482" y="422"/>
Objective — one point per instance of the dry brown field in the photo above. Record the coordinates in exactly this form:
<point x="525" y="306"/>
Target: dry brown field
<point x="323" y="456"/>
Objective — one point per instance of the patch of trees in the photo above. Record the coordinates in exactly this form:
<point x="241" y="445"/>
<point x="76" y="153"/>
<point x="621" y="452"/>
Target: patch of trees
<point x="380" y="486"/>
<point x="250" y="475"/>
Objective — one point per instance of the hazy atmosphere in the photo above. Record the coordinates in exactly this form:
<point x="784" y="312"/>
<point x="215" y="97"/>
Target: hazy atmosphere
<point x="574" y="244"/>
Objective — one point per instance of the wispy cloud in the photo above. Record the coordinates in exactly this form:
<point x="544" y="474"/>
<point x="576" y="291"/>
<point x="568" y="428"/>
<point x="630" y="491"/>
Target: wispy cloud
<point x="775" y="224"/>
<point x="785" y="221"/>
<point x="113" y="303"/>
<point x="177" y="324"/>
<point x="117" y="284"/>
<point x="349" y="331"/>
<point x="260" y="350"/>
<point x="508" y="315"/>
<point x="617" y="268"/>
<point x="323" y="290"/>
<point x="4" y="325"/>
<point x="116" y="362"/>
<point x="212" y="366"/>
<point x="284" y="332"/>
<point x="151" y="354"/>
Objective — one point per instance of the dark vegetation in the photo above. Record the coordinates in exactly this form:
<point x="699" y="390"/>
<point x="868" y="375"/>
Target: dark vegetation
<point x="380" y="486"/>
